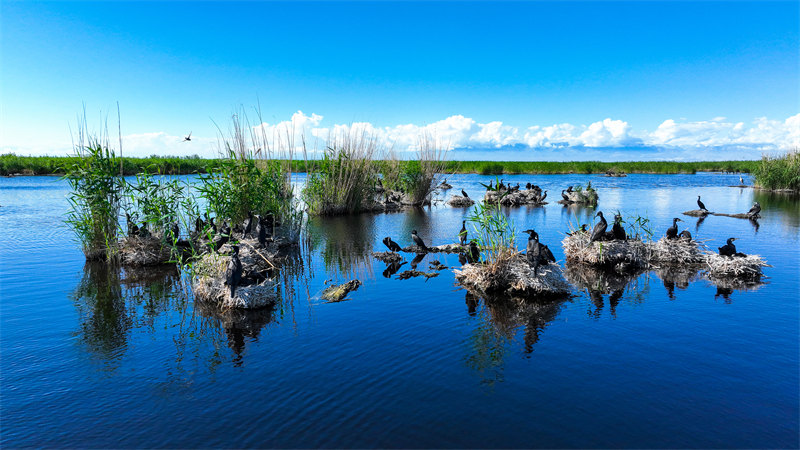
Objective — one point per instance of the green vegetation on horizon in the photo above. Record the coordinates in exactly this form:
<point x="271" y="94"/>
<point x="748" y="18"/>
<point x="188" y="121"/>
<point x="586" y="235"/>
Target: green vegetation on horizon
<point x="55" y="165"/>
<point x="782" y="172"/>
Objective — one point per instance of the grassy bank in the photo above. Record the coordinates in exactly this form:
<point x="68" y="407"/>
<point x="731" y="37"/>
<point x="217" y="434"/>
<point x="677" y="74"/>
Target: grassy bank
<point x="52" y="165"/>
<point x="782" y="172"/>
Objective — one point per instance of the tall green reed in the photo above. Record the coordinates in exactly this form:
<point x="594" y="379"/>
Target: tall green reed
<point x="779" y="172"/>
<point x="494" y="232"/>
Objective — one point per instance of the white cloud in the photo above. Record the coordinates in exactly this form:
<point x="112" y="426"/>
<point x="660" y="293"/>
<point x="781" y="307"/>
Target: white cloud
<point x="612" y="136"/>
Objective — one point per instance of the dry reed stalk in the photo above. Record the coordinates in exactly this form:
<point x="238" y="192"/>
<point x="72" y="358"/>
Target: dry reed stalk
<point x="679" y="251"/>
<point x="742" y="267"/>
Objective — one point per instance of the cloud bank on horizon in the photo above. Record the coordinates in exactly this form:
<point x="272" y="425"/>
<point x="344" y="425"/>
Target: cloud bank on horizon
<point x="467" y="139"/>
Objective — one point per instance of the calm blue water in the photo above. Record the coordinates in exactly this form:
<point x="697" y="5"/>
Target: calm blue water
<point x="97" y="357"/>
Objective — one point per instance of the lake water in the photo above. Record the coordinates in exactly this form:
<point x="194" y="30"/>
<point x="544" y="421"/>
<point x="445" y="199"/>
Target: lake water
<point x="97" y="357"/>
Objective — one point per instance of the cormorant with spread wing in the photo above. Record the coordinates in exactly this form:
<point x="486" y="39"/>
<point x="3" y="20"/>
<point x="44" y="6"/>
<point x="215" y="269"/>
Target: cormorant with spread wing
<point x="754" y="210"/>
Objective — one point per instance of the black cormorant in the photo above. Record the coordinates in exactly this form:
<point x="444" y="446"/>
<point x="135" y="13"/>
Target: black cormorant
<point x="462" y="235"/>
<point x="199" y="225"/>
<point x="565" y="196"/>
<point x="685" y="235"/>
<point x="581" y="230"/>
<point x="728" y="249"/>
<point x="527" y="185"/>
<point x="569" y="189"/>
<point x="392" y="245"/>
<point x="133" y="229"/>
<point x="464" y="194"/>
<point x="543" y="197"/>
<point x="501" y="186"/>
<point x="532" y="250"/>
<point x="474" y="255"/>
<point x="247" y="225"/>
<point x="213" y="224"/>
<point x="599" y="228"/>
<point x="174" y="231"/>
<point x="754" y="210"/>
<point x="700" y="204"/>
<point x="672" y="232"/>
<point x="418" y="240"/>
<point x="617" y="230"/>
<point x="234" y="272"/>
<point x="264" y="235"/>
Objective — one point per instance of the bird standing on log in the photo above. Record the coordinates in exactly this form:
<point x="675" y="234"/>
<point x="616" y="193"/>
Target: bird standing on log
<point x="418" y="240"/>
<point x="754" y="210"/>
<point x="462" y="235"/>
<point x="700" y="204"/>
<point x="672" y="232"/>
<point x="392" y="245"/>
<point x="599" y="228"/>
<point x="233" y="274"/>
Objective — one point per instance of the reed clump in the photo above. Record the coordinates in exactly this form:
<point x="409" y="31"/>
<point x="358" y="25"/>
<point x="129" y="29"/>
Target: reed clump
<point x="344" y="180"/>
<point x="95" y="193"/>
<point x="681" y="251"/>
<point x="747" y="267"/>
<point x="779" y="172"/>
<point x="416" y="179"/>
<point x="622" y="256"/>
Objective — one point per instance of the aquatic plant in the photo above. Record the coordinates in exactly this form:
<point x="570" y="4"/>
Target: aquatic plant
<point x="344" y="180"/>
<point x="779" y="172"/>
<point x="416" y="178"/>
<point x="494" y="232"/>
<point x="95" y="193"/>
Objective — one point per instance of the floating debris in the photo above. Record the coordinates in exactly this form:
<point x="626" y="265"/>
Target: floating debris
<point x="513" y="276"/>
<point x="702" y="213"/>
<point x="622" y="256"/>
<point x="446" y="248"/>
<point x="679" y="251"/>
<point x="416" y="273"/>
<point x="338" y="292"/>
<point x="459" y="201"/>
<point x="436" y="265"/>
<point x="387" y="257"/>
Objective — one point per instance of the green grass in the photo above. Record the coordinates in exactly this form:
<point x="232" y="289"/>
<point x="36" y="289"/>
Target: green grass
<point x="55" y="165"/>
<point x="781" y="172"/>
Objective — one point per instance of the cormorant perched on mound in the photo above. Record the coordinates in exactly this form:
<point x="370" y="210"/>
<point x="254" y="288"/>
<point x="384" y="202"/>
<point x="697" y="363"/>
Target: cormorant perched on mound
<point x="213" y="224"/>
<point x="543" y="197"/>
<point x="754" y="210"/>
<point x="199" y="225"/>
<point x="685" y="235"/>
<point x="133" y="229"/>
<point x="464" y="194"/>
<point x="263" y="234"/>
<point x="392" y="245"/>
<point x="533" y="248"/>
<point x="569" y="189"/>
<point x="672" y="232"/>
<point x="617" y="230"/>
<point x="462" y="235"/>
<point x="474" y="255"/>
<point x="418" y="240"/>
<point x="223" y="236"/>
<point x="174" y="232"/>
<point x="233" y="274"/>
<point x="565" y="196"/>
<point x="491" y="185"/>
<point x="728" y="249"/>
<point x="599" y="228"/>
<point x="700" y="204"/>
<point x="527" y="185"/>
<point x="501" y="186"/>
<point x="247" y="225"/>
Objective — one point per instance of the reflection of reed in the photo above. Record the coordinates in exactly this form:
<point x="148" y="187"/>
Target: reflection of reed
<point x="346" y="243"/>
<point x="726" y="286"/>
<point x="237" y="324"/>
<point x="603" y="281"/>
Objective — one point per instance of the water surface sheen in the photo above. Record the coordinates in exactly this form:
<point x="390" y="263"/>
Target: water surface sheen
<point x="96" y="357"/>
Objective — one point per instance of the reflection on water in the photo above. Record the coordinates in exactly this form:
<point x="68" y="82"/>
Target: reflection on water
<point x="677" y="276"/>
<point x="786" y="204"/>
<point x="238" y="324"/>
<point x="346" y="242"/>
<point x="598" y="283"/>
<point x="500" y="319"/>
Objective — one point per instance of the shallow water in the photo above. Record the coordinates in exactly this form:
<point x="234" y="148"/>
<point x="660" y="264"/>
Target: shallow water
<point x="96" y="357"/>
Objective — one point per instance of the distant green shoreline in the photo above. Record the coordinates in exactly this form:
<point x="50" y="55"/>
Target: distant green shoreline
<point x="11" y="164"/>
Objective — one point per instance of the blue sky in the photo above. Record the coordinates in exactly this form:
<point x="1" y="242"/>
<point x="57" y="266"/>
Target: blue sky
<point x="530" y="80"/>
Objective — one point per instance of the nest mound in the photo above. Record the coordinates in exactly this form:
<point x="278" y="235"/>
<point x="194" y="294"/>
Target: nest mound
<point x="256" y="289"/>
<point x="512" y="275"/>
<point x="515" y="198"/>
<point x="741" y="267"/>
<point x="622" y="256"/>
<point x="679" y="251"/>
<point x="585" y="196"/>
<point x="387" y="257"/>
<point x="458" y="200"/>
<point x="446" y="248"/>
<point x="144" y="251"/>
<point x="445" y="186"/>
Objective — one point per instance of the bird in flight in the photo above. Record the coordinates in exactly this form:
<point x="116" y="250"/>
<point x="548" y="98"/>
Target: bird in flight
<point x="188" y="138"/>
